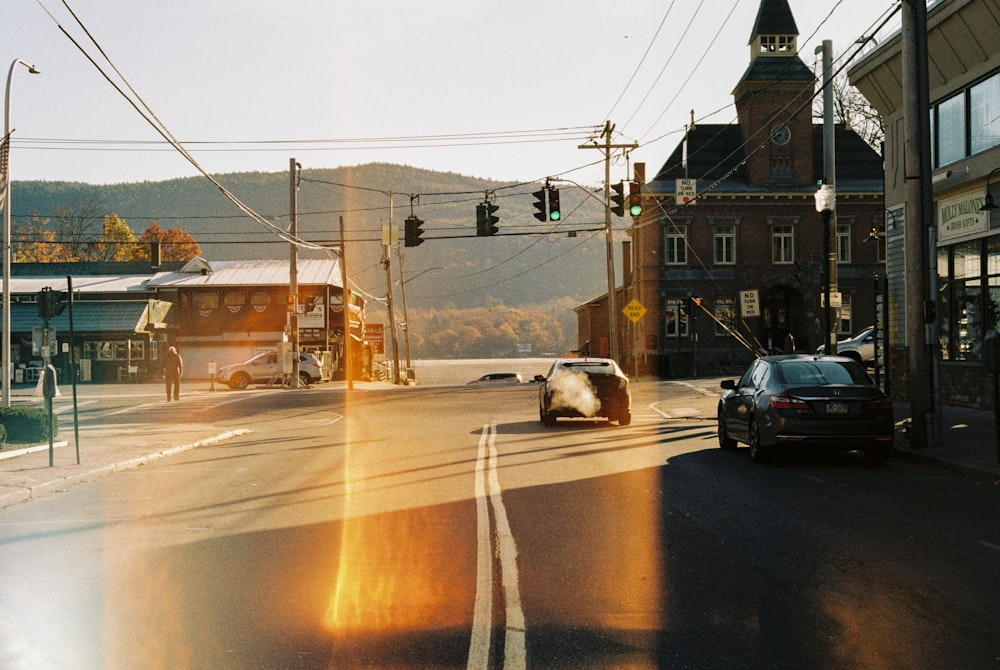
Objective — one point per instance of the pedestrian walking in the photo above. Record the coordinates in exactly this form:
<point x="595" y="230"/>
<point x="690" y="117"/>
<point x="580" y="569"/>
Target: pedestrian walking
<point x="173" y="370"/>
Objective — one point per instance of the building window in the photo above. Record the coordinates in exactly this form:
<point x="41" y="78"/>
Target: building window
<point x="234" y="298"/>
<point x="724" y="242"/>
<point x="205" y="300"/>
<point x="782" y="243"/>
<point x="984" y="114"/>
<point x="675" y="324"/>
<point x="951" y="129"/>
<point x="725" y="315"/>
<point x="776" y="43"/>
<point x="260" y="298"/>
<point x="675" y="245"/>
<point x="843" y="243"/>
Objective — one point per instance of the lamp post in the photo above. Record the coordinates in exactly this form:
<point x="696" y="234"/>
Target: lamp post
<point x="988" y="204"/>
<point x="5" y="354"/>
<point x="826" y="203"/>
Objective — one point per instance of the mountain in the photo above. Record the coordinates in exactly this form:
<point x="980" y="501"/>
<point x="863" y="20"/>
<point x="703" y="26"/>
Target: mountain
<point x="527" y="263"/>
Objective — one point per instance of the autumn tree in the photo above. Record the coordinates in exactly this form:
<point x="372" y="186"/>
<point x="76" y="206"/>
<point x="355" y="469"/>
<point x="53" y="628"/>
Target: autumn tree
<point x="117" y="243"/>
<point x="175" y="244"/>
<point x="36" y="243"/>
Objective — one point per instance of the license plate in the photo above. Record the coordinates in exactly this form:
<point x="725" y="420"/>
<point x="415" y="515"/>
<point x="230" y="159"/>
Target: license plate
<point x="836" y="408"/>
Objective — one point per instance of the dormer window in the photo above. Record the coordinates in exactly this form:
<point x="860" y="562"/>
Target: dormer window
<point x="775" y="44"/>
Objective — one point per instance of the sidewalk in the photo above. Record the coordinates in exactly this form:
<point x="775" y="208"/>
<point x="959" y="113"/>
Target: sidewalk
<point x="968" y="445"/>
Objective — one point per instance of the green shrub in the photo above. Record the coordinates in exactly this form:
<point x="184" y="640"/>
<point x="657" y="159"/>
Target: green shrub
<point x="27" y="424"/>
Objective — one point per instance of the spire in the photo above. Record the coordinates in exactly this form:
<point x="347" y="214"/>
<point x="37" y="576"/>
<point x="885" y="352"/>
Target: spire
<point x="774" y="18"/>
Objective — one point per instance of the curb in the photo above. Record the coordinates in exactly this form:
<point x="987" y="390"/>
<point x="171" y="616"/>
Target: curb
<point x="22" y="494"/>
<point x="968" y="471"/>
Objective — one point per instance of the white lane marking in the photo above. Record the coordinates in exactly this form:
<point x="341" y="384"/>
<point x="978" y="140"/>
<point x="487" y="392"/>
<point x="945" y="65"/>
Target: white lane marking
<point x="515" y="654"/>
<point x="479" y="646"/>
<point x="989" y="545"/>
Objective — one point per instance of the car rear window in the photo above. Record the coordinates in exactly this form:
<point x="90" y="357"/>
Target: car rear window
<point x="592" y="367"/>
<point x="822" y="372"/>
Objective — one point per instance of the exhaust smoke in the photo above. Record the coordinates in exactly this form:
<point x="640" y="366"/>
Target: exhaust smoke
<point x="572" y="390"/>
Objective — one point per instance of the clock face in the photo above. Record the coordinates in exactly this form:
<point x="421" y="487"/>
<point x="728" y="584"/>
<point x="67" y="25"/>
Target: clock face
<point x="780" y="135"/>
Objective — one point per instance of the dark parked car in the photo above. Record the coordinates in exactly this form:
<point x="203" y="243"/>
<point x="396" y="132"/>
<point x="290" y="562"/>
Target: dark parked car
<point x="800" y="400"/>
<point x="584" y="387"/>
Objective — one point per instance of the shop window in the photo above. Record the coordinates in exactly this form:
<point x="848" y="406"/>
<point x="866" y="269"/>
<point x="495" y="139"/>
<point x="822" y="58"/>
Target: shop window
<point x="725" y="315"/>
<point x="674" y="319"/>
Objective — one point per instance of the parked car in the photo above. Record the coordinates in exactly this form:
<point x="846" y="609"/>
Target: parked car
<point x="803" y="401"/>
<point x="499" y="378"/>
<point x="860" y="347"/>
<point x="584" y="387"/>
<point x="264" y="368"/>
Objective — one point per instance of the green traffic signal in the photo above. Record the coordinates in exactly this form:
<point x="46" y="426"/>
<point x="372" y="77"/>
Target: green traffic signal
<point x="554" y="213"/>
<point x="634" y="199"/>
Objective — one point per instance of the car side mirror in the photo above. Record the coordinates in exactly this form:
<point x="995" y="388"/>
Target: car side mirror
<point x="539" y="378"/>
<point x="728" y="384"/>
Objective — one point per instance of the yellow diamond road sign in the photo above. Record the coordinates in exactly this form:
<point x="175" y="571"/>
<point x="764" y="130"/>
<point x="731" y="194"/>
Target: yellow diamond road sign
<point x="634" y="310"/>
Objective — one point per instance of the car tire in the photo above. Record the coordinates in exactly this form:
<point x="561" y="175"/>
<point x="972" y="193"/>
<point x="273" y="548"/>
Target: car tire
<point x="625" y="418"/>
<point x="725" y="441"/>
<point x="304" y="378"/>
<point x="239" y="381"/>
<point x="545" y="417"/>
<point x="758" y="452"/>
<point x="876" y="456"/>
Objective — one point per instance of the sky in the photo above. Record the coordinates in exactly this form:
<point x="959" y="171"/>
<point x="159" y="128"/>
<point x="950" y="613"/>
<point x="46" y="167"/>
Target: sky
<point x="498" y="89"/>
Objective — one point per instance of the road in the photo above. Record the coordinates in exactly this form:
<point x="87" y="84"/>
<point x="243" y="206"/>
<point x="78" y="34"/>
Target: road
<point x="446" y="527"/>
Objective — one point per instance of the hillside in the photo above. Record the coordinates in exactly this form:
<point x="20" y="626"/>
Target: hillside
<point x="527" y="264"/>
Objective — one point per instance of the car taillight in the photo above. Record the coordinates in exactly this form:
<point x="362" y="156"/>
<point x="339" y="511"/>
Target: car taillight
<point x="788" y="402"/>
<point x="878" y="404"/>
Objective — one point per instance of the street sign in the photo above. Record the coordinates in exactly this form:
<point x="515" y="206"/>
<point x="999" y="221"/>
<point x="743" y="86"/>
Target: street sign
<point x="749" y="303"/>
<point x="634" y="310"/>
<point x="687" y="190"/>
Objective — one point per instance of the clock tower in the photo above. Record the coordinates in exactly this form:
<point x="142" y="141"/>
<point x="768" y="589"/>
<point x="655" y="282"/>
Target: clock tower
<point x="774" y="101"/>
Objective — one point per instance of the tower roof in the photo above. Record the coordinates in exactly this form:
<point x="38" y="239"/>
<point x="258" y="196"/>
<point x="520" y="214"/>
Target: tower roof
<point x="774" y="18"/>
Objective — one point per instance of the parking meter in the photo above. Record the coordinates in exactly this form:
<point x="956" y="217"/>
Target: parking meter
<point x="49" y="388"/>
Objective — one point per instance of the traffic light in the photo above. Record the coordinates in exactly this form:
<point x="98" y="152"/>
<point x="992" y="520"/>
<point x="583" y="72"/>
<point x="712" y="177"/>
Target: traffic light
<point x="50" y="303"/>
<point x="541" y="214"/>
<point x="486" y="220"/>
<point x="554" y="213"/>
<point x="413" y="234"/>
<point x="634" y="199"/>
<point x="618" y="198"/>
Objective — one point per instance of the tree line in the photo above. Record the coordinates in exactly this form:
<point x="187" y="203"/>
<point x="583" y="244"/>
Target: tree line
<point x="83" y="236"/>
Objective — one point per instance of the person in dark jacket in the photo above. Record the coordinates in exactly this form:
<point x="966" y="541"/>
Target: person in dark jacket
<point x="173" y="370"/>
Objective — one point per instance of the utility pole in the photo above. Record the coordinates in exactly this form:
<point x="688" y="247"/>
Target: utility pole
<point x="293" y="270"/>
<point x="609" y="240"/>
<point x="917" y="220"/>
<point x="345" y="294"/>
<point x="387" y="240"/>
<point x="829" y="178"/>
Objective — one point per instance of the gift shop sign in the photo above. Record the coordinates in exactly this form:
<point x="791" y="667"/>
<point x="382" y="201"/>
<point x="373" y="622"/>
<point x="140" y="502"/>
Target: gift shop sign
<point x="959" y="218"/>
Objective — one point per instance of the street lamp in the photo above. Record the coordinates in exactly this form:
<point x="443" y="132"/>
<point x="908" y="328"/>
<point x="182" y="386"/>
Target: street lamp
<point x="5" y="354"/>
<point x="826" y="203"/>
<point x="988" y="204"/>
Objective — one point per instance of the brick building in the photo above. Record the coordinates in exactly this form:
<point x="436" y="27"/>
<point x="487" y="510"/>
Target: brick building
<point x="753" y="226"/>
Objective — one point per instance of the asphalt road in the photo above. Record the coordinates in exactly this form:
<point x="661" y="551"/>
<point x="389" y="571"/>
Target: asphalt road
<point x="446" y="527"/>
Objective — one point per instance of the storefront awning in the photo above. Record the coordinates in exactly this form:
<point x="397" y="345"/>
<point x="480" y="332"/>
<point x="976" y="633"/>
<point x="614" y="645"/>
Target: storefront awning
<point x="127" y="316"/>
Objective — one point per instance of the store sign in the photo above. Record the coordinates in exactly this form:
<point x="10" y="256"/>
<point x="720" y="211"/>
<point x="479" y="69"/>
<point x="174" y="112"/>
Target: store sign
<point x="960" y="218"/>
